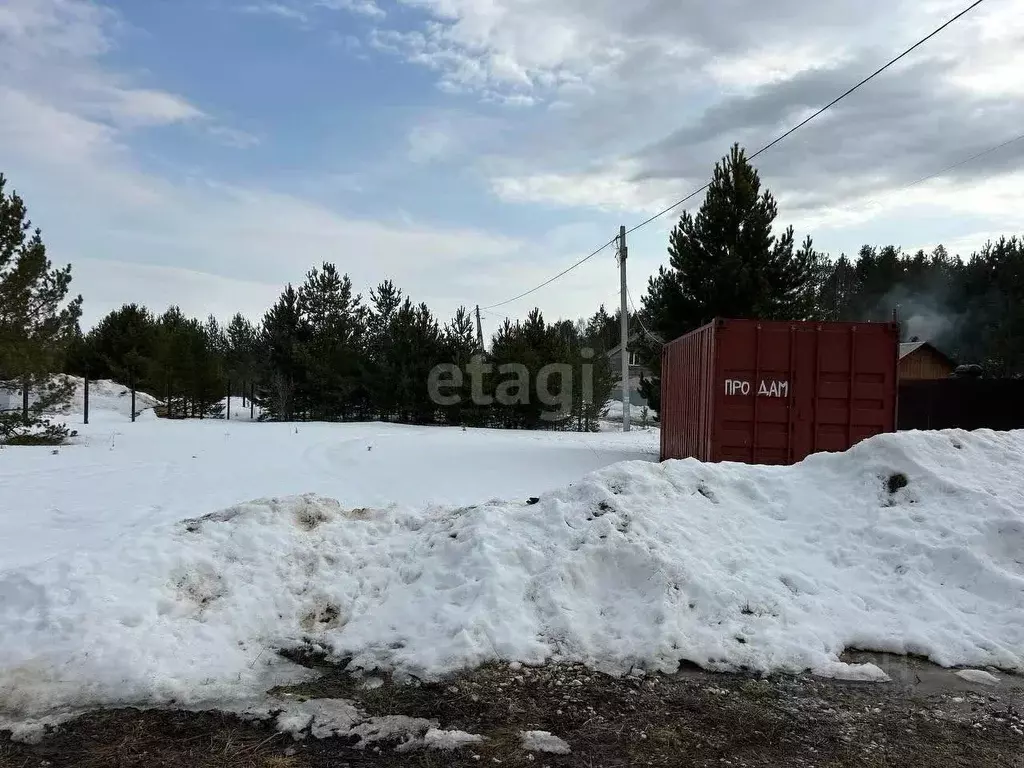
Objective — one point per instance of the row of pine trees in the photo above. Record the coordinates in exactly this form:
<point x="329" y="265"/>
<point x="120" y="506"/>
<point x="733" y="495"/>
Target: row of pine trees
<point x="324" y="352"/>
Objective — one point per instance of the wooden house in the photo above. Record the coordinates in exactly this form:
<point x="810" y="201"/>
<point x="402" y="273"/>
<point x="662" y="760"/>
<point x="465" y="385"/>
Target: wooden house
<point x="920" y="361"/>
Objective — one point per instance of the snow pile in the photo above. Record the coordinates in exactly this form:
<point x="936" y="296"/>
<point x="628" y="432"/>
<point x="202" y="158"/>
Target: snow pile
<point x="613" y="410"/>
<point x="329" y="718"/>
<point x="449" y="740"/>
<point x="543" y="741"/>
<point x="107" y="395"/>
<point x="638" y="565"/>
<point x="104" y="396"/>
<point x="341" y="718"/>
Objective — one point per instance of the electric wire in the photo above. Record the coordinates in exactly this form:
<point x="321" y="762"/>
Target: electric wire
<point x="759" y="152"/>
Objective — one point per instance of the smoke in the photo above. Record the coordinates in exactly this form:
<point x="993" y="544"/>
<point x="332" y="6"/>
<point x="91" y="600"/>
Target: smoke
<point x="927" y="316"/>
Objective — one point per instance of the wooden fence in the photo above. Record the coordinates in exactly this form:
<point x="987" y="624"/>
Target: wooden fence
<point x="961" y="404"/>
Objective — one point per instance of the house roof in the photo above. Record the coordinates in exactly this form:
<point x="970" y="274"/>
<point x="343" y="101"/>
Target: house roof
<point x="907" y="348"/>
<point x="910" y="347"/>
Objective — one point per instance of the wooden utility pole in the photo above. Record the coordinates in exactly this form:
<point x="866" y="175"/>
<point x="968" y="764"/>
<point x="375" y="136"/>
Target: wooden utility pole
<point x="479" y="330"/>
<point x="624" y="349"/>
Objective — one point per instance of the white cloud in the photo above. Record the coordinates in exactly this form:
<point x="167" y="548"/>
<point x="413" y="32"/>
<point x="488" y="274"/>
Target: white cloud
<point x="768" y="64"/>
<point x="362" y="7"/>
<point x="1000" y="198"/>
<point x="608" y="189"/>
<point x="52" y="54"/>
<point x="52" y="28"/>
<point x="143" y="107"/>
<point x="275" y="9"/>
<point x="504" y="49"/>
<point x="302" y="11"/>
<point x="619" y="77"/>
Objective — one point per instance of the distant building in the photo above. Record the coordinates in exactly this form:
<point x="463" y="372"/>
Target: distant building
<point x="636" y="369"/>
<point x="919" y="360"/>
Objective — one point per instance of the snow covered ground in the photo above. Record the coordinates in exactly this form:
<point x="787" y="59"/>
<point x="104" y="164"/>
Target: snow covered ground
<point x="118" y="585"/>
<point x="123" y="478"/>
<point x="240" y="412"/>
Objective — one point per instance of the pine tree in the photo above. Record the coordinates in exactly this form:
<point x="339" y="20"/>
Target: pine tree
<point x="208" y="347"/>
<point x="37" y="323"/>
<point x="168" y="368"/>
<point x="381" y="366"/>
<point x="282" y="337"/>
<point x="837" y="291"/>
<point x="335" y="324"/>
<point x="122" y="345"/>
<point x="458" y="345"/>
<point x="726" y="261"/>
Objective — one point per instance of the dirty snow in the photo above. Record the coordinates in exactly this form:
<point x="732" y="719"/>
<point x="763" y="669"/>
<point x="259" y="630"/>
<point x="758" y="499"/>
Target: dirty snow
<point x="449" y="740"/>
<point x="979" y="676"/>
<point x="543" y="741"/>
<point x="635" y="566"/>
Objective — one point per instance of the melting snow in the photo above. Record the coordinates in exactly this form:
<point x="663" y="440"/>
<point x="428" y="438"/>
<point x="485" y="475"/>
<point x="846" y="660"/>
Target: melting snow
<point x="978" y="676"/>
<point x="543" y="741"/>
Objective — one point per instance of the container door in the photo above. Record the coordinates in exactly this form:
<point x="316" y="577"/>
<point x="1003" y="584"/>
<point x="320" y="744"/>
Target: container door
<point x="757" y="382"/>
<point x="846" y="385"/>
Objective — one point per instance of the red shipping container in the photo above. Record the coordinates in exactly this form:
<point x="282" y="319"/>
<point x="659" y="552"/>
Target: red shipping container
<point x="773" y="392"/>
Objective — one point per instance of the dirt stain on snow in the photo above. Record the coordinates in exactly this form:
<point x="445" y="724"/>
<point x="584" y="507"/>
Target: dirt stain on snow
<point x="200" y="585"/>
<point x="321" y="617"/>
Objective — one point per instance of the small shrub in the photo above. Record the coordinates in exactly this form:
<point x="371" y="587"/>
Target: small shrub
<point x="37" y="431"/>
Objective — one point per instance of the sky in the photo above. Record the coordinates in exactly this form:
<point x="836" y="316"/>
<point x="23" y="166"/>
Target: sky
<point x="206" y="152"/>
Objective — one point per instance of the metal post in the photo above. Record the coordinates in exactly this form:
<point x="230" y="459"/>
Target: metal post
<point x="479" y="330"/>
<point x="624" y="352"/>
<point x="85" y="398"/>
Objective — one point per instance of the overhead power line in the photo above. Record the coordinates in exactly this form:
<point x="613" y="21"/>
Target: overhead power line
<point x="551" y="280"/>
<point x="821" y="111"/>
<point x="965" y="161"/>
<point x="762" y="150"/>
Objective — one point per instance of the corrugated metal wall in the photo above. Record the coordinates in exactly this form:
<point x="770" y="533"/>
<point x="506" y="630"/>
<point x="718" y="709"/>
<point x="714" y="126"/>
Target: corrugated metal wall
<point x="687" y="396"/>
<point x="774" y="392"/>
